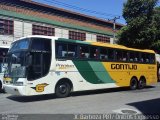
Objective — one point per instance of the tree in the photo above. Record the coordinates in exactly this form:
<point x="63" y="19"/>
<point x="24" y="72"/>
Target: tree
<point x="141" y="29"/>
<point x="156" y="24"/>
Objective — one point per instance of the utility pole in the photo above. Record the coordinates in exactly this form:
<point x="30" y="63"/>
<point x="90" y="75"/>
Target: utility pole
<point x="114" y="26"/>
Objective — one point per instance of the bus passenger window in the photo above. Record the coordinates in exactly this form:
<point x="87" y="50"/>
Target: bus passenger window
<point x="103" y="54"/>
<point x="147" y="58"/>
<point x="143" y="58"/>
<point x="61" y="50"/>
<point x="136" y="59"/>
<point x="93" y="52"/>
<point x="119" y="55"/>
<point x="133" y="56"/>
<point x="110" y="54"/>
<point x="125" y="56"/>
<point x="84" y="52"/>
<point x="152" y="58"/>
<point x="72" y="51"/>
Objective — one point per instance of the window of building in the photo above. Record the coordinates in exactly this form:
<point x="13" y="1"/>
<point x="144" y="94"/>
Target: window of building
<point x="6" y="27"/>
<point x="42" y="30"/>
<point x="77" y="35"/>
<point x="104" y="39"/>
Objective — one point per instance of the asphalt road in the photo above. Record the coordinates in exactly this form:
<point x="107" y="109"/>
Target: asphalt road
<point x="118" y="100"/>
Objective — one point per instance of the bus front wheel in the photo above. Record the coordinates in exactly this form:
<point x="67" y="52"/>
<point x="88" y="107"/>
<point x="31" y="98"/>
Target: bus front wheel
<point x="133" y="83"/>
<point x="63" y="89"/>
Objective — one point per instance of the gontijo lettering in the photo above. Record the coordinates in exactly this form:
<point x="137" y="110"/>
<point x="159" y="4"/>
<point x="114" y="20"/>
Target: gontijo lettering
<point x="124" y="66"/>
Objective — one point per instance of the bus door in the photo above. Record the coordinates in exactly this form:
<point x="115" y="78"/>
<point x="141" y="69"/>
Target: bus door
<point x="41" y="58"/>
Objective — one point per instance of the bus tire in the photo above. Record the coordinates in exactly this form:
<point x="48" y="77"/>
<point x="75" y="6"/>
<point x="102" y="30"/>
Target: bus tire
<point x="141" y="83"/>
<point x="133" y="83"/>
<point x="62" y="89"/>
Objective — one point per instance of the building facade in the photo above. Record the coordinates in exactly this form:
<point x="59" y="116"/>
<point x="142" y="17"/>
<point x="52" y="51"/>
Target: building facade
<point x="19" y="18"/>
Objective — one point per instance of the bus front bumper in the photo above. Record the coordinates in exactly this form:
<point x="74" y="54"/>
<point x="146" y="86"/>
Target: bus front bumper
<point x="15" y="90"/>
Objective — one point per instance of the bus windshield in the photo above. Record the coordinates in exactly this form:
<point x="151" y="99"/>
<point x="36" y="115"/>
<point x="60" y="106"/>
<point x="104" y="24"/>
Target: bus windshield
<point x="26" y="56"/>
<point x="19" y="45"/>
<point x="16" y="63"/>
<point x="16" y="59"/>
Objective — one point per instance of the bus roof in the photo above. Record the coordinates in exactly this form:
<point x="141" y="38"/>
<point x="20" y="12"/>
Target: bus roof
<point x="122" y="47"/>
<point x="38" y="36"/>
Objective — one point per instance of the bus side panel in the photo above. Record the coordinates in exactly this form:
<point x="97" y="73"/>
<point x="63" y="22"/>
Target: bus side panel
<point x="85" y="75"/>
<point x="93" y="72"/>
<point x="123" y="72"/>
<point x="90" y="75"/>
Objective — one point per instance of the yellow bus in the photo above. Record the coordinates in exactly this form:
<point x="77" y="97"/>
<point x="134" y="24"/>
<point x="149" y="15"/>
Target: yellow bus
<point x="45" y="65"/>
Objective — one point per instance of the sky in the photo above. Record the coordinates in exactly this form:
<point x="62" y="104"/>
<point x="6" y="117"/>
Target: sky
<point x="103" y="9"/>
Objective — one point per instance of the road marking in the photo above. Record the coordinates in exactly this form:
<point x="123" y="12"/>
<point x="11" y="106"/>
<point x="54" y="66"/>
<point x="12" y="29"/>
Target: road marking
<point x="127" y="111"/>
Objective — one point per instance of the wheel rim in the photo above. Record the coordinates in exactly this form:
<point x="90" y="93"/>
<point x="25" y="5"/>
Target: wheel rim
<point x="141" y="84"/>
<point x="133" y="84"/>
<point x="63" y="88"/>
